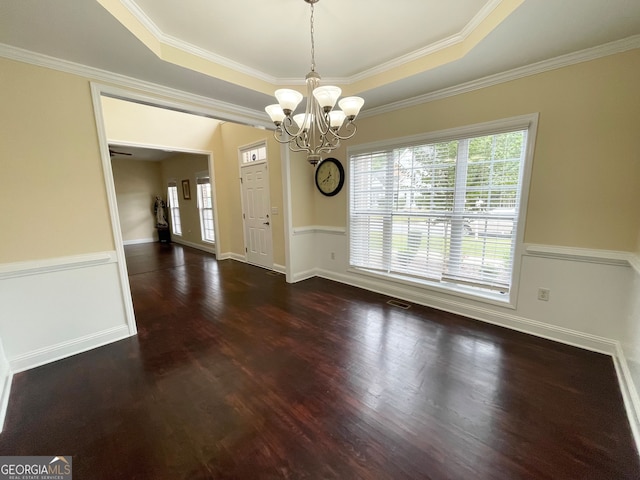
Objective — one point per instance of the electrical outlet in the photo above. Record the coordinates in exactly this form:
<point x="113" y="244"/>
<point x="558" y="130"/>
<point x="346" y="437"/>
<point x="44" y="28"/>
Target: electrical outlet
<point x="543" y="294"/>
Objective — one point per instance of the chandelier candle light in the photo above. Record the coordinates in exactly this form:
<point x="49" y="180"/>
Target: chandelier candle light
<point x="320" y="128"/>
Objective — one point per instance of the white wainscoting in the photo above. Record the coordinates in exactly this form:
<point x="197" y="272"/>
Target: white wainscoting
<point x="59" y="307"/>
<point x="5" y="384"/>
<point x="303" y="256"/>
<point x="628" y="363"/>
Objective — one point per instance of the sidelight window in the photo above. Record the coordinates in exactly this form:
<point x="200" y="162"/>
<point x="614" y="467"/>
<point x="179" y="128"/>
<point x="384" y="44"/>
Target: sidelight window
<point x="205" y="208"/>
<point x="174" y="208"/>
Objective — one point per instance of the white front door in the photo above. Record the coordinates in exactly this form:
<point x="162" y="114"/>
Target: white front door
<point x="257" y="222"/>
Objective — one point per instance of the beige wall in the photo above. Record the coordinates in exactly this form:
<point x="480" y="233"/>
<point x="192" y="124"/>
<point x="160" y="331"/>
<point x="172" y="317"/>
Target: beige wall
<point x="181" y="167"/>
<point x="234" y="137"/>
<point x="137" y="183"/>
<point x="53" y="200"/>
<point x="586" y="171"/>
<point x="130" y="122"/>
<point x="584" y="180"/>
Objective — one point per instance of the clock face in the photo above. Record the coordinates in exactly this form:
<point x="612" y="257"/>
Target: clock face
<point x="329" y="176"/>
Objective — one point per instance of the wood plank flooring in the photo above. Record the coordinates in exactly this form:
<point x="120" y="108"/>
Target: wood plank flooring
<point x="236" y="374"/>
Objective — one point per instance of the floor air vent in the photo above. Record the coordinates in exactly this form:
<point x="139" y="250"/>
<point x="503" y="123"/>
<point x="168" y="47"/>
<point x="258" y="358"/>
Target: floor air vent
<point x="399" y="304"/>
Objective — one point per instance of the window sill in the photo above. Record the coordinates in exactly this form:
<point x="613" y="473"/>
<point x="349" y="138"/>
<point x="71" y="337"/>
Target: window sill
<point x="501" y="300"/>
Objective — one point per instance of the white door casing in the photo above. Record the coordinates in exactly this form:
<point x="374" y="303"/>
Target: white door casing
<point x="257" y="222"/>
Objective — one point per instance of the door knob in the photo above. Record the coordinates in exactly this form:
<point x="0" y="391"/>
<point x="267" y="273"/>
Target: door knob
<point x="265" y="223"/>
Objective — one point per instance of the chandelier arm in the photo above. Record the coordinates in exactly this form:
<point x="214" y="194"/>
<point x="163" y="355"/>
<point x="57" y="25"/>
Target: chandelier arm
<point x="347" y="135"/>
<point x="301" y="141"/>
<point x="329" y="146"/>
<point x="294" y="144"/>
<point x="329" y="149"/>
<point x="278" y="134"/>
<point x="294" y="148"/>
<point x="328" y="142"/>
<point x="287" y="123"/>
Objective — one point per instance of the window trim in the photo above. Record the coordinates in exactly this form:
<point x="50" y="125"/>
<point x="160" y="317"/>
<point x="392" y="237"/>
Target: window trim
<point x="171" y="183"/>
<point x="528" y="122"/>
<point x="199" y="176"/>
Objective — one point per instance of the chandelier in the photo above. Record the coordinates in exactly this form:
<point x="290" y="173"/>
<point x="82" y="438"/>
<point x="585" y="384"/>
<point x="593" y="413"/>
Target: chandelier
<point x="321" y="127"/>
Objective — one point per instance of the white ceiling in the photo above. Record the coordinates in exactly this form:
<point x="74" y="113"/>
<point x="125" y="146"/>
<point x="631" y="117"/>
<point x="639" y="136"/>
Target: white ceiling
<point x="271" y="39"/>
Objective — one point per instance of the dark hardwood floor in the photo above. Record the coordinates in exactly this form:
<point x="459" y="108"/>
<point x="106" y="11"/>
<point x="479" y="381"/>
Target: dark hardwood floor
<point x="237" y="375"/>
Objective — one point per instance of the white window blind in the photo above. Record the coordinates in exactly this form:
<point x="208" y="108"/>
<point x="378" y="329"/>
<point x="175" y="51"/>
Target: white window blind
<point x="174" y="208"/>
<point x="205" y="207"/>
<point x="445" y="212"/>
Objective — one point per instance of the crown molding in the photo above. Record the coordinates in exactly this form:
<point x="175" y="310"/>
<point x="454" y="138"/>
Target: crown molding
<point x="231" y="112"/>
<point x="569" y="59"/>
<point x="221" y="110"/>
<point x="191" y="49"/>
<point x="435" y="47"/>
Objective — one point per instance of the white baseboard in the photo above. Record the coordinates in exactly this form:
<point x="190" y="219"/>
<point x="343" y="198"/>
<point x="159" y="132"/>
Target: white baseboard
<point x="5" y="391"/>
<point x="139" y="241"/>
<point x="241" y="258"/>
<point x="232" y="256"/>
<point x="209" y="249"/>
<point x="629" y="392"/>
<point x="300" y="276"/>
<point x="66" y="349"/>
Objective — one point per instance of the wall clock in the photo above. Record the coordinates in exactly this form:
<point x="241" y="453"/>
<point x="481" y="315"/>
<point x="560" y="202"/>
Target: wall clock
<point x="329" y="177"/>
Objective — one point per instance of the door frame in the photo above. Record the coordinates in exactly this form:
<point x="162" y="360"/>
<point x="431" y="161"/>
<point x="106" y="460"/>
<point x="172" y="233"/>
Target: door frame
<point x="241" y="165"/>
<point x="167" y="102"/>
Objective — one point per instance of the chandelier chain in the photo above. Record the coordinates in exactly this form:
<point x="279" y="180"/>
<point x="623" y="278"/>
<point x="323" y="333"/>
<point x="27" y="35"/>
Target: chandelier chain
<point x="313" y="44"/>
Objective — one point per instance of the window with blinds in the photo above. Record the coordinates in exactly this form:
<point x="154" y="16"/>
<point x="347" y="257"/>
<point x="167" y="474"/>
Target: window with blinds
<point x="205" y="208"/>
<point x="443" y="212"/>
<point x="174" y="208"/>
